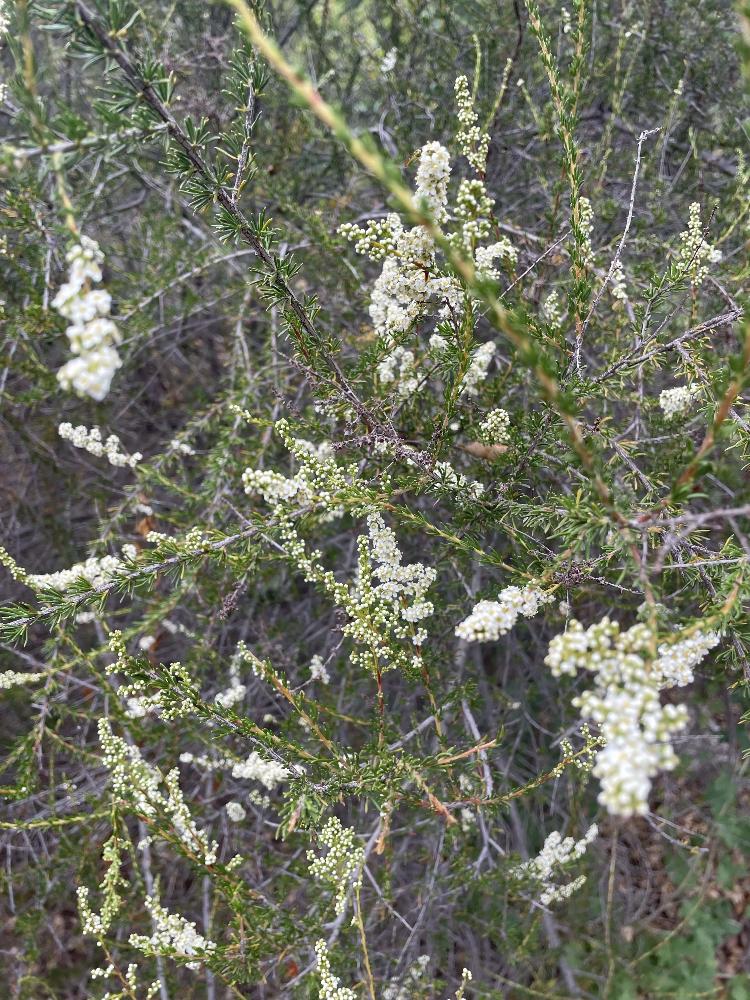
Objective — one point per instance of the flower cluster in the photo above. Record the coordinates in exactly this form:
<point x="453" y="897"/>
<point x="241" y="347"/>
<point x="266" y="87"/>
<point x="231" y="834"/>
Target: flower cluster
<point x="618" y="287"/>
<point x="484" y="257"/>
<point x="472" y="142"/>
<point x="624" y="702"/>
<point x="678" y="401"/>
<point x="407" y="985"/>
<point x="235" y="811"/>
<point x="478" y="368"/>
<point x="317" y="481"/>
<point x="383" y="605"/>
<point x="491" y="619"/>
<point x="494" y="428"/>
<point x="456" y="482"/>
<point x="255" y="768"/>
<point x="97" y="571"/>
<point x="556" y="853"/>
<point x="12" y="678"/>
<point x="92" y="334"/>
<point x="377" y="240"/>
<point x="586" y="227"/>
<point x="695" y="252"/>
<point x="91" y="441"/>
<point x="139" y="783"/>
<point x="173" y="936"/>
<point x="329" y="984"/>
<point x="433" y="173"/>
<point x="400" y="367"/>
<point x="97" y="924"/>
<point x="318" y="671"/>
<point x="341" y="867"/>
<point x="235" y="692"/>
<point x="551" y="310"/>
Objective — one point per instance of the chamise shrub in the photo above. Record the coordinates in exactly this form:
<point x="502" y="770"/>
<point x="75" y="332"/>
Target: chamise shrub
<point x="375" y="507"/>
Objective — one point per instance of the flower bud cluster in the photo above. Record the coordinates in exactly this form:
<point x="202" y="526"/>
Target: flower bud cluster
<point x="254" y="768"/>
<point x="91" y="441"/>
<point x="551" y="310"/>
<point x="407" y="986"/>
<point x="635" y="727"/>
<point x="495" y="426"/>
<point x="329" y="984"/>
<point x="139" y="783"/>
<point x="13" y="678"/>
<point x="317" y="482"/>
<point x="491" y="619"/>
<point x="383" y="605"/>
<point x="341" y="867"/>
<point x="474" y="209"/>
<point x="91" y="334"/>
<point x="618" y="288"/>
<point x="473" y="143"/>
<point x="433" y="174"/>
<point x="586" y="227"/>
<point x="695" y="252"/>
<point x="555" y="854"/>
<point x="377" y="240"/>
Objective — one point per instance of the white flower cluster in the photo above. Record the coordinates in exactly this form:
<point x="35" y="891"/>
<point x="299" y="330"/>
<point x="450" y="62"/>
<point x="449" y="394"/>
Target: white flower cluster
<point x="97" y="571"/>
<point x="97" y="924"/>
<point x="484" y="258"/>
<point x="433" y="173"/>
<point x="678" y="401"/>
<point x="173" y="937"/>
<point x="409" y="277"/>
<point x="236" y="691"/>
<point x="267" y="772"/>
<point x="406" y="986"/>
<point x="341" y="867"/>
<point x="391" y="606"/>
<point x="551" y="310"/>
<point x="329" y="984"/>
<point x="318" y="479"/>
<point x="139" y="783"/>
<point x="491" y="619"/>
<point x="635" y="726"/>
<point x="449" y="479"/>
<point x="318" y="671"/>
<point x="91" y="441"/>
<point x="695" y="252"/>
<point x="235" y="811"/>
<point x="556" y="853"/>
<point x="12" y="678"/>
<point x="478" y="369"/>
<point x="377" y="240"/>
<point x="91" y="334"/>
<point x="472" y="142"/>
<point x="586" y="226"/>
<point x="400" y="367"/>
<point x="388" y="61"/>
<point x="494" y="428"/>
<point x="383" y="605"/>
<point x="618" y="287"/>
<point x="474" y="210"/>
